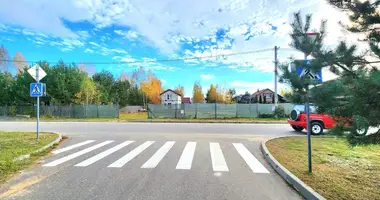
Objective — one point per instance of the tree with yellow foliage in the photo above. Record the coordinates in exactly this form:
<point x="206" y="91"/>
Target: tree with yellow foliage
<point x="211" y="95"/>
<point x="198" y="96"/>
<point x="152" y="88"/>
<point x="180" y="90"/>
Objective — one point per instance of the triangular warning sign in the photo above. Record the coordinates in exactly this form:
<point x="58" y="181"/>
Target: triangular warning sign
<point x="36" y="90"/>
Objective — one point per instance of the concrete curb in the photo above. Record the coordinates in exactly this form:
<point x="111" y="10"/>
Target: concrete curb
<point x="295" y="182"/>
<point x="208" y="122"/>
<point x="59" y="138"/>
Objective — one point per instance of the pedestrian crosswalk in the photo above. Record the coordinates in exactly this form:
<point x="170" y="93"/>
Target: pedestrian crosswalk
<point x="184" y="160"/>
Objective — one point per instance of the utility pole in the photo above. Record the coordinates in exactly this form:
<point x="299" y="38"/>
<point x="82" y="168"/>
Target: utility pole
<point x="275" y="76"/>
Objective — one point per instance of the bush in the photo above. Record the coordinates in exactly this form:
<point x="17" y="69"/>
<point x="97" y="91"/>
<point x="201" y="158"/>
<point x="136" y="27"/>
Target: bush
<point x="266" y="116"/>
<point x="279" y="112"/>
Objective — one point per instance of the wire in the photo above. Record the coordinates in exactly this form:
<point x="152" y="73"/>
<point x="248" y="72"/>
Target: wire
<point x="153" y="61"/>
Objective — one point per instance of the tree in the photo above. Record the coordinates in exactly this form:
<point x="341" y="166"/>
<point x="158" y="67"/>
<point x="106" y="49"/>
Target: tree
<point x="198" y="96"/>
<point x="211" y="94"/>
<point x="232" y="92"/>
<point x="6" y="82"/>
<point x="19" y="62"/>
<point x="4" y="57"/>
<point x="123" y="93"/>
<point x="302" y="42"/>
<point x="260" y="99"/>
<point x="180" y="90"/>
<point x="63" y="82"/>
<point x="265" y="99"/>
<point x="88" y="93"/>
<point x="123" y="76"/>
<point x="105" y="83"/>
<point x="152" y="88"/>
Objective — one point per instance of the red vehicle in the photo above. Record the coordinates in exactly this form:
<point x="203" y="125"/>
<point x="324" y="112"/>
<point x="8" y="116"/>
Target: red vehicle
<point x="318" y="122"/>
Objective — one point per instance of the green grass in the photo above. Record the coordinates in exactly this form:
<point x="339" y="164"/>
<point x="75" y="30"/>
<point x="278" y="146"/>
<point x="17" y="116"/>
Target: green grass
<point x="339" y="170"/>
<point x="14" y="144"/>
<point x="143" y="116"/>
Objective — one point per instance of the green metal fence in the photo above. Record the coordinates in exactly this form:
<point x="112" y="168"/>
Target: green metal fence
<point x="212" y="110"/>
<point x="68" y="111"/>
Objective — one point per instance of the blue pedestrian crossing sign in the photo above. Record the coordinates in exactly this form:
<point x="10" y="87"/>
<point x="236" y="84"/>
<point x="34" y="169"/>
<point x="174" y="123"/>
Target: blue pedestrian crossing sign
<point x="36" y="89"/>
<point x="304" y="71"/>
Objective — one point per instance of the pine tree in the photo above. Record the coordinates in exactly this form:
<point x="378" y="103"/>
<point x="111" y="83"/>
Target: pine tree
<point x="260" y="99"/>
<point x="265" y="100"/>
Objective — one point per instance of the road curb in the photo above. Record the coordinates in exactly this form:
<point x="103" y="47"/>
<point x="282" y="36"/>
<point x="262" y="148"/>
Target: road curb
<point x="290" y="178"/>
<point x="59" y="138"/>
<point x="207" y="122"/>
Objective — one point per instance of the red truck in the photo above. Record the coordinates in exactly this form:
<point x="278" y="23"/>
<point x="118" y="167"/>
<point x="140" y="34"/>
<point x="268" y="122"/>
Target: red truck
<point x="318" y="121"/>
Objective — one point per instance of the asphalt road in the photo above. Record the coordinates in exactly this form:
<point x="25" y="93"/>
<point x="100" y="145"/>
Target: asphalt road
<point x="154" y="161"/>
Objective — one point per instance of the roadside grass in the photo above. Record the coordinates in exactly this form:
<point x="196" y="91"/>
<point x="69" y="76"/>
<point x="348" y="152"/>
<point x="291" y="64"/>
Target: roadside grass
<point x="143" y="116"/>
<point x="340" y="171"/>
<point x="14" y="144"/>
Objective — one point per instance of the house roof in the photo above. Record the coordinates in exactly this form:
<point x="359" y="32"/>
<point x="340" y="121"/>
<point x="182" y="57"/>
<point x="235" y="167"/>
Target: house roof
<point x="171" y="91"/>
<point x="261" y="91"/>
<point x="186" y="100"/>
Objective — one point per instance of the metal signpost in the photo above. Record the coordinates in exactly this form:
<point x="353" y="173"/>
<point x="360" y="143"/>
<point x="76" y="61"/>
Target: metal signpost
<point x="37" y="90"/>
<point x="316" y="77"/>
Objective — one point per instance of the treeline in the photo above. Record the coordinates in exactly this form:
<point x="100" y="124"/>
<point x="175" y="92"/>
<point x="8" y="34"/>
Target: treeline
<point x="215" y="94"/>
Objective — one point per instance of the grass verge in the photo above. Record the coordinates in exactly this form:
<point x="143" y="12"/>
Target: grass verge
<point x="14" y="144"/>
<point x="340" y="171"/>
<point x="143" y="116"/>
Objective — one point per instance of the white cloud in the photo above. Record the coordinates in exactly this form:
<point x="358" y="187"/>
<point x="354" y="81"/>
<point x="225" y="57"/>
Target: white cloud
<point x="165" y="24"/>
<point x="95" y="44"/>
<point x="65" y="49"/>
<point x="207" y="76"/>
<point x="83" y="34"/>
<point x="131" y="35"/>
<point x="89" y="50"/>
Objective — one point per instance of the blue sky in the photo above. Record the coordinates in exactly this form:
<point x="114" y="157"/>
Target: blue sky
<point x="138" y="31"/>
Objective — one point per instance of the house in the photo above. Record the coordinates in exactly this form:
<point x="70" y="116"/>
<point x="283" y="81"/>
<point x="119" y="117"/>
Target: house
<point x="186" y="100"/>
<point x="268" y="95"/>
<point x="170" y="97"/>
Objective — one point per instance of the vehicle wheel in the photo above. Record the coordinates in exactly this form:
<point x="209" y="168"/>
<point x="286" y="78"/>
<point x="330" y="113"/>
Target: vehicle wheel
<point x="297" y="128"/>
<point x="361" y="131"/>
<point x="316" y="128"/>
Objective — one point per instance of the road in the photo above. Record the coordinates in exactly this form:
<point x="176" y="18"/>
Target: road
<point x="155" y="161"/>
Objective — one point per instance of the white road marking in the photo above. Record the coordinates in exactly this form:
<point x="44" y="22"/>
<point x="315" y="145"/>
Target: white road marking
<point x="79" y="153"/>
<point x="158" y="156"/>
<point x="72" y="146"/>
<point x="128" y="157"/>
<point x="187" y="156"/>
<point x="250" y="159"/>
<point x="103" y="154"/>
<point x="218" y="162"/>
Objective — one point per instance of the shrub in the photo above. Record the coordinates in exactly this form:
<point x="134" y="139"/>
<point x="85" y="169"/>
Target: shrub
<point x="279" y="112"/>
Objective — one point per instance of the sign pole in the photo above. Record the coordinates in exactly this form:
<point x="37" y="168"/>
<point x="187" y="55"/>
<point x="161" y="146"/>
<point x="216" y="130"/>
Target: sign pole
<point x="307" y="110"/>
<point x="38" y="103"/>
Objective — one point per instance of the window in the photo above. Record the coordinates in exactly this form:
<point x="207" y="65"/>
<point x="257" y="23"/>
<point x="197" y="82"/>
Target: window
<point x="301" y="108"/>
<point x="268" y="95"/>
<point x="168" y="97"/>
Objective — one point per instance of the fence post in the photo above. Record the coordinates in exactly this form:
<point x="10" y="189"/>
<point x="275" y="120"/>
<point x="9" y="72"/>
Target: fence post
<point x="236" y="110"/>
<point x="196" y="111"/>
<point x="97" y="111"/>
<point x="175" y="110"/>
<point x="184" y="110"/>
<point x="118" y="111"/>
<point x="216" y="114"/>
<point x="257" y="110"/>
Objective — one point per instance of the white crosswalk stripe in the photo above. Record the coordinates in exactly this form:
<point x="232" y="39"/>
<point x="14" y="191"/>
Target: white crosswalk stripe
<point x="74" y="155"/>
<point x="218" y="162"/>
<point x="72" y="146"/>
<point x="185" y="162"/>
<point x="187" y="156"/>
<point x="125" y="159"/>
<point x="251" y="161"/>
<point x="103" y="154"/>
<point x="158" y="156"/>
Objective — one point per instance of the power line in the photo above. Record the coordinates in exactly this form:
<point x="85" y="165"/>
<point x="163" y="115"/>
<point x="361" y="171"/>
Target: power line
<point x="152" y="61"/>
